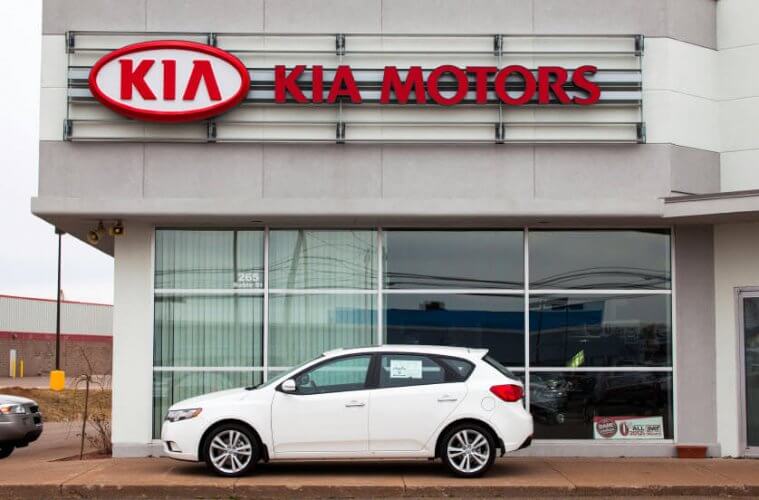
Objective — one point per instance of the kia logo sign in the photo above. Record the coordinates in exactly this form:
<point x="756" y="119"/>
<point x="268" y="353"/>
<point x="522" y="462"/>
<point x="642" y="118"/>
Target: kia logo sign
<point x="169" y="81"/>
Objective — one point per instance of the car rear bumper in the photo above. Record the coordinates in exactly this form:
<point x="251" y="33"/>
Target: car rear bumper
<point x="513" y="424"/>
<point x="527" y="442"/>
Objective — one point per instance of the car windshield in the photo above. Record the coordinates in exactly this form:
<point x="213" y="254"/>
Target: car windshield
<point x="498" y="366"/>
<point x="283" y="375"/>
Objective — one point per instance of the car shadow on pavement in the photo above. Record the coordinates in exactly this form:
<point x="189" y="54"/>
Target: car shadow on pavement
<point x="352" y="468"/>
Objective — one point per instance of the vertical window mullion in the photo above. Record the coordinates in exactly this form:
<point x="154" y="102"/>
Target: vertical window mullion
<point x="526" y="278"/>
<point x="265" y="347"/>
<point x="380" y="286"/>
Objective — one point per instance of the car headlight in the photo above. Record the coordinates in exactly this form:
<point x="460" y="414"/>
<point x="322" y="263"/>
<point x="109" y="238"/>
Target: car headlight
<point x="177" y="415"/>
<point x="12" y="409"/>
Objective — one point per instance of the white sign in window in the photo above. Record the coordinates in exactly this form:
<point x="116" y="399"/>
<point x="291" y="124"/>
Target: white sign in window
<point x="406" y="368"/>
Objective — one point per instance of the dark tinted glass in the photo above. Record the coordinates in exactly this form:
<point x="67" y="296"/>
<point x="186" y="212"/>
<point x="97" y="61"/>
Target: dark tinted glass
<point x="454" y="259"/>
<point x="569" y="405"/>
<point x="402" y="370"/>
<point x="495" y="322"/>
<point x="610" y="259"/>
<point x="460" y="368"/>
<point x="751" y="340"/>
<point x="498" y="366"/>
<point x="600" y="330"/>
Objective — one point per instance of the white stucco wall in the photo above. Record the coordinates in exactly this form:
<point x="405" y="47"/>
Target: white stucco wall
<point x="738" y="43"/>
<point x="736" y="264"/>
<point x="735" y="245"/>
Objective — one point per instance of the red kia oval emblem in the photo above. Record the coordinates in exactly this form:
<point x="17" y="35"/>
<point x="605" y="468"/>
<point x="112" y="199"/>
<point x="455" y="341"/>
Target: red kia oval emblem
<point x="169" y="81"/>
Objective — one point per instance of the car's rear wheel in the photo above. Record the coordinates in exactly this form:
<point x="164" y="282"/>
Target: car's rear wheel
<point x="468" y="450"/>
<point x="231" y="450"/>
<point x="6" y="450"/>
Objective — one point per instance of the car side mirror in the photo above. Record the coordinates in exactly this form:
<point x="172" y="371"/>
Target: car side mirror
<point x="288" y="385"/>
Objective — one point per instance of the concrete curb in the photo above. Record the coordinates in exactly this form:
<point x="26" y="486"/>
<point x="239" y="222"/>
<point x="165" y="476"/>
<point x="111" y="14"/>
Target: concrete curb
<point x="313" y="491"/>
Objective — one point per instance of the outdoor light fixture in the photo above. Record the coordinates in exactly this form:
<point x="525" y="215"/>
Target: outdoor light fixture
<point x="93" y="237"/>
<point x="116" y="229"/>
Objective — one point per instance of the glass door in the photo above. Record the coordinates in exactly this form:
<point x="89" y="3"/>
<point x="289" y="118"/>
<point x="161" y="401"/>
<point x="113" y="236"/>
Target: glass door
<point x="749" y="310"/>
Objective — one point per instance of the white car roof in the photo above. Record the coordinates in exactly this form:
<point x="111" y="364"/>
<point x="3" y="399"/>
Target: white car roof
<point x="464" y="352"/>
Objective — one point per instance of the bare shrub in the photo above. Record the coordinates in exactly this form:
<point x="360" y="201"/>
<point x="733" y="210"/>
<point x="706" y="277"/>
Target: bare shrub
<point x="94" y="408"/>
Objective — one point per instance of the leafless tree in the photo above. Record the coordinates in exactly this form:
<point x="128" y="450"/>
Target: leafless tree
<point x="96" y="411"/>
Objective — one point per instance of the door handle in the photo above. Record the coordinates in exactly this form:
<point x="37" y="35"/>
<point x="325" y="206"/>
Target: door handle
<point x="447" y="399"/>
<point x="354" y="404"/>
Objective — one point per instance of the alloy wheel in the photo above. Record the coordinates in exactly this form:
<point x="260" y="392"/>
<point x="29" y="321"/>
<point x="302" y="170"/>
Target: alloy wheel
<point x="468" y="451"/>
<point x="230" y="451"/>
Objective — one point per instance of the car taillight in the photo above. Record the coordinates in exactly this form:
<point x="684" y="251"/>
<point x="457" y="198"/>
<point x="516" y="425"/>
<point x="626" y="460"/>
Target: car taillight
<point x="509" y="392"/>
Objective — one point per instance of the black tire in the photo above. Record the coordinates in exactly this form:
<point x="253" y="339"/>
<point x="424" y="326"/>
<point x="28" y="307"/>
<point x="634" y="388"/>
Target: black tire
<point x="224" y="434"/>
<point x="6" y="450"/>
<point x="452" y="438"/>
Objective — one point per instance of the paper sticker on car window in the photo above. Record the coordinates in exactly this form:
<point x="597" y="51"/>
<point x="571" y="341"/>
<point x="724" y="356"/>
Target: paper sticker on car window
<point x="405" y="368"/>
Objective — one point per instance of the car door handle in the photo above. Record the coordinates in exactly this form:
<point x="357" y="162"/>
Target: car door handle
<point x="447" y="399"/>
<point x="354" y="404"/>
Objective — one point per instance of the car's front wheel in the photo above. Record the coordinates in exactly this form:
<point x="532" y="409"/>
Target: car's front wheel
<point x="6" y="450"/>
<point x="468" y="450"/>
<point x="231" y="450"/>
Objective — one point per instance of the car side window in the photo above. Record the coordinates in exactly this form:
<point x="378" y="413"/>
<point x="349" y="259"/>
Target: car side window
<point x="339" y="375"/>
<point x="460" y="369"/>
<point x="403" y="370"/>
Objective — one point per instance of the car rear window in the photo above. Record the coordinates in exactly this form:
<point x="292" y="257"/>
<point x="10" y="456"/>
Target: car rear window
<point x="498" y="366"/>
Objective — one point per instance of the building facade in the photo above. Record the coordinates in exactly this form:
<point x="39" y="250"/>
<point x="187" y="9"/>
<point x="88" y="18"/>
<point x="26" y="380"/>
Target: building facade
<point x="603" y="247"/>
<point x="27" y="334"/>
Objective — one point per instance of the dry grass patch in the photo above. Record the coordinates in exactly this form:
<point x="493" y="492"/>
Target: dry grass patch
<point x="63" y="406"/>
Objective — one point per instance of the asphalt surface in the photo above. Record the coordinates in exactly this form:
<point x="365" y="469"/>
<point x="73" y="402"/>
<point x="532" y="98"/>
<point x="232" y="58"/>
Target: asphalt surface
<point x="58" y="440"/>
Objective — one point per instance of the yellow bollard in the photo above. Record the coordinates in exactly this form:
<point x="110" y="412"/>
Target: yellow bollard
<point x="57" y="380"/>
<point x="21" y="368"/>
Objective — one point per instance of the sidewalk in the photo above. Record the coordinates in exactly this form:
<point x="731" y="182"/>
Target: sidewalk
<point x="526" y="477"/>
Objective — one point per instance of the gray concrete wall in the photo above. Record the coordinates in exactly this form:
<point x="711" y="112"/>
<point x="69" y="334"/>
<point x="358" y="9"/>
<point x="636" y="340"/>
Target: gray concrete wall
<point x="695" y="343"/>
<point x="253" y="180"/>
<point x="687" y="20"/>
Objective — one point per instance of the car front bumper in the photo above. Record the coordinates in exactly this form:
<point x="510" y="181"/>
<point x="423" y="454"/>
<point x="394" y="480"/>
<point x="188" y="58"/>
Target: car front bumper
<point x="181" y="440"/>
<point x="20" y="429"/>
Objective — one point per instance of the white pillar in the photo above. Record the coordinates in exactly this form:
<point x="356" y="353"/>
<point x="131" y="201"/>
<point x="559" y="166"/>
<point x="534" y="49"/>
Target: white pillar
<point x="133" y="342"/>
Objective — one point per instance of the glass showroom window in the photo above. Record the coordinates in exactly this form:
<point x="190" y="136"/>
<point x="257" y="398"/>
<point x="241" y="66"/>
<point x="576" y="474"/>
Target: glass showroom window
<point x="462" y="288"/>
<point x="600" y="334"/>
<point x="322" y="293"/>
<point x="208" y="315"/>
<point x="587" y="325"/>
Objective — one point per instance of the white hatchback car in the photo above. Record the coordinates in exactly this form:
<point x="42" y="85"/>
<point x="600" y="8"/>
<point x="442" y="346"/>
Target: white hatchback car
<point x="453" y="403"/>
